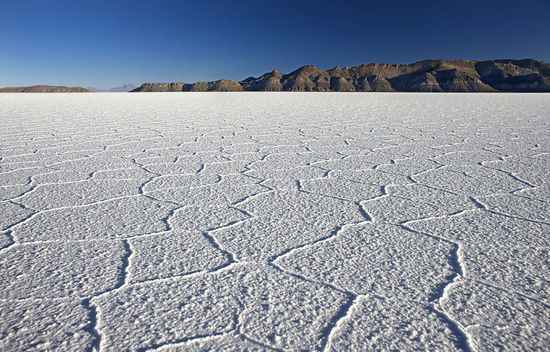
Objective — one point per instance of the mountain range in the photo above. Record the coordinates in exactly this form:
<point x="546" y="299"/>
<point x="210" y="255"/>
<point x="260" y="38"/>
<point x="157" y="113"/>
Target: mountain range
<point x="504" y="75"/>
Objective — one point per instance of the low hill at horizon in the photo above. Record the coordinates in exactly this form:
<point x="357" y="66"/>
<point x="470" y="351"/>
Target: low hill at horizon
<point x="44" y="89"/>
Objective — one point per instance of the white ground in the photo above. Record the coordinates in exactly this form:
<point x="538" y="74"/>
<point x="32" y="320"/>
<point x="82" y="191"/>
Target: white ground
<point x="259" y="221"/>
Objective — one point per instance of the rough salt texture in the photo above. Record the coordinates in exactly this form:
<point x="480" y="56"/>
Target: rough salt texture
<point x="246" y="222"/>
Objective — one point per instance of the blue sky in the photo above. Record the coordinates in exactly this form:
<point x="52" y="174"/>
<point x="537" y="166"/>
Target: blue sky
<point x="109" y="43"/>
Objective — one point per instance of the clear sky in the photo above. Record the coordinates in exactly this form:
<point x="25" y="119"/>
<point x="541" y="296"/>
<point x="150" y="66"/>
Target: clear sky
<point x="106" y="43"/>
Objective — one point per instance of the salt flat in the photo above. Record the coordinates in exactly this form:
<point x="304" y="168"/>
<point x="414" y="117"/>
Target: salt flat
<point x="274" y="221"/>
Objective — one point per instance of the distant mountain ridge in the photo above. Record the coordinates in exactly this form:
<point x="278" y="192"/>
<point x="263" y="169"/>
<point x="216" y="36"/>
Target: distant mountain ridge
<point x="124" y="88"/>
<point x="44" y="89"/>
<point x="504" y="75"/>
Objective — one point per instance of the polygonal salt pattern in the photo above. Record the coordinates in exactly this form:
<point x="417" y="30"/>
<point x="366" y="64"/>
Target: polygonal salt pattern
<point x="534" y="169"/>
<point x="521" y="207"/>
<point x="470" y="180"/>
<point x="258" y="222"/>
<point x="414" y="201"/>
<point x="285" y="219"/>
<point x="231" y="189"/>
<point x="498" y="319"/>
<point x="243" y="298"/>
<point x="341" y="188"/>
<point x="382" y="324"/>
<point x="507" y="252"/>
<point x="171" y="254"/>
<point x="375" y="259"/>
<point x="99" y="221"/>
<point x="58" y="269"/>
<point x="409" y="167"/>
<point x="73" y="194"/>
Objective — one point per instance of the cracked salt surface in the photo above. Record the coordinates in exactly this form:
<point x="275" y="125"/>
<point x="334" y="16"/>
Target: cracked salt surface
<point x="258" y="222"/>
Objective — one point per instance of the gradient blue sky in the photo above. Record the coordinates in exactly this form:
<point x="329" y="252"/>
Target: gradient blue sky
<point x="109" y="43"/>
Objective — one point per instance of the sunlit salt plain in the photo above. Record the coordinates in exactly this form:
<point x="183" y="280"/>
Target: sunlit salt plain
<point x="274" y="221"/>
